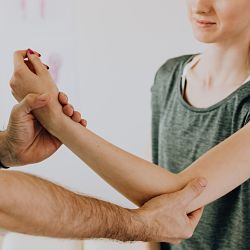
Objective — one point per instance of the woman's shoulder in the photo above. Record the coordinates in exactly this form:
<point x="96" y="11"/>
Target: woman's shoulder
<point x="168" y="72"/>
<point x="173" y="64"/>
<point x="171" y="67"/>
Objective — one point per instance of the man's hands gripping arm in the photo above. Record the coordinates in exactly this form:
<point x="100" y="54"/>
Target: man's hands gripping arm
<point x="32" y="205"/>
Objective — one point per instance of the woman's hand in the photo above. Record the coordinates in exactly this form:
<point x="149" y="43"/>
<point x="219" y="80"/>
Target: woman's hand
<point x="32" y="76"/>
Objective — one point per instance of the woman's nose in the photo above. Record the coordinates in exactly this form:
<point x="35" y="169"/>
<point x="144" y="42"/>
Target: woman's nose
<point x="202" y="6"/>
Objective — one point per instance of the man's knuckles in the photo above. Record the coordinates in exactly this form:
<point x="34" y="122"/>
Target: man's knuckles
<point x="187" y="233"/>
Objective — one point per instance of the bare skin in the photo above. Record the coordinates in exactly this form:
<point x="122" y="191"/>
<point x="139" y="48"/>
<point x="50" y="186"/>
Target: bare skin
<point x="57" y="212"/>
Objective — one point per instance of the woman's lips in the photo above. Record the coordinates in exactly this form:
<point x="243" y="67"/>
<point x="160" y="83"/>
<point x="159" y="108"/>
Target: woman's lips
<point x="204" y="23"/>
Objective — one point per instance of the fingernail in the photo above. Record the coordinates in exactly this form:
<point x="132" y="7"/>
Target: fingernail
<point x="83" y="122"/>
<point x="30" y="51"/>
<point x="64" y="95"/>
<point x="203" y="182"/>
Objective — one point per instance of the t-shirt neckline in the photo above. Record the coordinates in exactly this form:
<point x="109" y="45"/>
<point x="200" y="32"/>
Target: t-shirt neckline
<point x="212" y="107"/>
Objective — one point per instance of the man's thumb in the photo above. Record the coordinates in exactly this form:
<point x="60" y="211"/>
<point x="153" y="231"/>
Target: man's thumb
<point x="192" y="190"/>
<point x="32" y="102"/>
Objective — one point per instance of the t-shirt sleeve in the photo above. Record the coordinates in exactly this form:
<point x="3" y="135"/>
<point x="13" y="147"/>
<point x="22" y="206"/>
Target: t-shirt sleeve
<point x="155" y="118"/>
<point x="159" y="92"/>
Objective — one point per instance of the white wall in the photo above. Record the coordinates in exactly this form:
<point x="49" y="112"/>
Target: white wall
<point x="110" y="51"/>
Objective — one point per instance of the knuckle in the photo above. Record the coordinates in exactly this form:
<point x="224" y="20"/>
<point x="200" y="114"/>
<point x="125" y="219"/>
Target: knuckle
<point x="16" y="106"/>
<point x="187" y="234"/>
<point x="29" y="98"/>
<point x="36" y="60"/>
<point x="18" y="72"/>
<point x="12" y="83"/>
<point x="175" y="242"/>
<point x="195" y="187"/>
<point x="16" y="53"/>
<point x="15" y="109"/>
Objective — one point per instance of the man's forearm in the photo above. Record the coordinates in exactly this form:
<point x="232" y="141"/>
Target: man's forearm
<point x="6" y="156"/>
<point x="31" y="205"/>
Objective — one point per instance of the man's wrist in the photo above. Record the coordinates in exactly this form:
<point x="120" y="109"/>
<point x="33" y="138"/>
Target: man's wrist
<point x="102" y="219"/>
<point x="125" y="225"/>
<point x="145" y="223"/>
<point x="138" y="229"/>
<point x="5" y="153"/>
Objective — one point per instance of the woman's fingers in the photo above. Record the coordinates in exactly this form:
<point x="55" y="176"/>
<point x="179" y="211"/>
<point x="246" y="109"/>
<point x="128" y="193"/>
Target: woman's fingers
<point x="35" y="52"/>
<point x="39" y="67"/>
<point x="19" y="57"/>
<point x="30" y="66"/>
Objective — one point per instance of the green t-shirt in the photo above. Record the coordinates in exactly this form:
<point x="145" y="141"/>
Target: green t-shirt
<point x="181" y="134"/>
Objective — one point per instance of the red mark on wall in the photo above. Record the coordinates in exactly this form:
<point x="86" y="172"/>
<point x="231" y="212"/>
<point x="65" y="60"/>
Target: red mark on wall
<point x="41" y="6"/>
<point x="55" y="63"/>
<point x="24" y="7"/>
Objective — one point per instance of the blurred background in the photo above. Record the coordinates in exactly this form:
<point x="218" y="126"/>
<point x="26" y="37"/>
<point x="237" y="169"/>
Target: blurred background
<point x="104" y="55"/>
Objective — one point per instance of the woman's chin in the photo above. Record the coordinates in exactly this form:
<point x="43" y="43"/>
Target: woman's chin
<point x="205" y="38"/>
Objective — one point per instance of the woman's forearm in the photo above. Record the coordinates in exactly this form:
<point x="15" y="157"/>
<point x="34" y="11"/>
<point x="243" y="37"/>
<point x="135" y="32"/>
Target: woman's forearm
<point x="129" y="174"/>
<point x="226" y="166"/>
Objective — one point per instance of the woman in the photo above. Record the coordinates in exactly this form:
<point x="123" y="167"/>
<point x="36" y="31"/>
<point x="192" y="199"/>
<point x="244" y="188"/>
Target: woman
<point x="198" y="101"/>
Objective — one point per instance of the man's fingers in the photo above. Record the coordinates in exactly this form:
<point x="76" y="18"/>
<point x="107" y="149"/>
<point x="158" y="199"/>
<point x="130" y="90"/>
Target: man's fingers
<point x="63" y="98"/>
<point x="68" y="110"/>
<point x="32" y="102"/>
<point x="193" y="190"/>
<point x="84" y="123"/>
<point x="195" y="217"/>
<point x="76" y="117"/>
<point x="39" y="67"/>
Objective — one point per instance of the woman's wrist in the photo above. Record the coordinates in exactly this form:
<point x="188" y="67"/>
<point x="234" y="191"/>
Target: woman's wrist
<point x="51" y="115"/>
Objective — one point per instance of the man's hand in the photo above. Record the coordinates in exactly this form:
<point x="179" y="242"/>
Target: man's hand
<point x="25" y="141"/>
<point x="166" y="217"/>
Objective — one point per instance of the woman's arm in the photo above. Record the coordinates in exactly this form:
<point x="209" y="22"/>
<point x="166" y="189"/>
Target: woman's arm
<point x="226" y="166"/>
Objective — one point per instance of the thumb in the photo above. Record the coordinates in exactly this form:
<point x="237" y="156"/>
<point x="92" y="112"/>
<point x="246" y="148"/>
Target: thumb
<point x="195" y="217"/>
<point x="192" y="190"/>
<point x="32" y="102"/>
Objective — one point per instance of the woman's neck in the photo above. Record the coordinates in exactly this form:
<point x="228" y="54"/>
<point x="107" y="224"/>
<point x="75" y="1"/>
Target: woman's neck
<point x="224" y="64"/>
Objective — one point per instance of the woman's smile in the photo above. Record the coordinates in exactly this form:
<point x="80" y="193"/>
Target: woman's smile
<point x="203" y="23"/>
